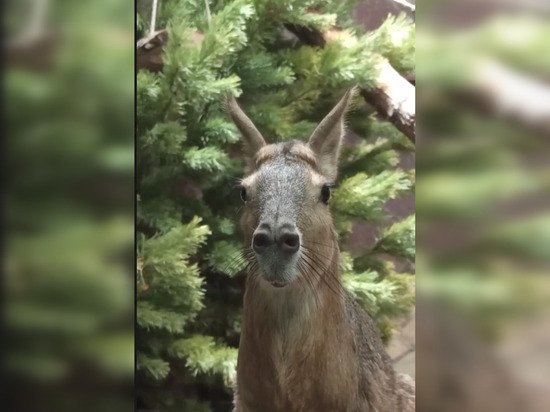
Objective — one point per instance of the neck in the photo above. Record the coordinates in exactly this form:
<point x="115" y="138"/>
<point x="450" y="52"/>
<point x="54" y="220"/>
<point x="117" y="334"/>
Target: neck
<point x="313" y="347"/>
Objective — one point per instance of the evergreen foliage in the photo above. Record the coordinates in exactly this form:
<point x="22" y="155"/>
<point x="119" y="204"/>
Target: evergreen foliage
<point x="475" y="166"/>
<point x="190" y="270"/>
<point x="68" y="330"/>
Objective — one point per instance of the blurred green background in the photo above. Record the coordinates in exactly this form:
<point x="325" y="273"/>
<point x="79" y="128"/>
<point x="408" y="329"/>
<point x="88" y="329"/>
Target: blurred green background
<point x="484" y="225"/>
<point x="483" y="203"/>
<point x="69" y="162"/>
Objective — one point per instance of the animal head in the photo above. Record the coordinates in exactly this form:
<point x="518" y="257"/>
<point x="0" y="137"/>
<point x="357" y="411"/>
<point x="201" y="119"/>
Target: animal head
<point x="286" y="191"/>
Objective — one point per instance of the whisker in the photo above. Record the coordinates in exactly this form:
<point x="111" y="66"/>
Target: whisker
<point x="321" y="275"/>
<point x="316" y="253"/>
<point x="306" y="276"/>
<point x="324" y="268"/>
<point x="236" y="264"/>
<point x="306" y="241"/>
<point x="314" y="272"/>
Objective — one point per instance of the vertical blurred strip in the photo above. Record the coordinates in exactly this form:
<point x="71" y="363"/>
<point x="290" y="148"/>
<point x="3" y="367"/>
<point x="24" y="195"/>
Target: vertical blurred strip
<point x="483" y="205"/>
<point x="69" y="205"/>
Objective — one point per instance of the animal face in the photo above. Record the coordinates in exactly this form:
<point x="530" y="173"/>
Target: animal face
<point x="286" y="192"/>
<point x="286" y="202"/>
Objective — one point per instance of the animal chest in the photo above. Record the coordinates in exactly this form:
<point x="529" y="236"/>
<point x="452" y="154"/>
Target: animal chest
<point x="313" y="380"/>
<point x="299" y="376"/>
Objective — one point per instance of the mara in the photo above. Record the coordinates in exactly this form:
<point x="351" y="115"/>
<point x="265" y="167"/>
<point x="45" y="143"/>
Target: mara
<point x="306" y="345"/>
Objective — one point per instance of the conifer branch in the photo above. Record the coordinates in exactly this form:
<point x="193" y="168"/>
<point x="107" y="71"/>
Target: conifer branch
<point x="393" y="97"/>
<point x="189" y="288"/>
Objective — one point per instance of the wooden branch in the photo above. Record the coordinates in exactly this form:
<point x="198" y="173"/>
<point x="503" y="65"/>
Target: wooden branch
<point x="505" y="94"/>
<point x="410" y="349"/>
<point x="410" y="7"/>
<point x="509" y="94"/>
<point x="153" y="24"/>
<point x="149" y="51"/>
<point x="38" y="16"/>
<point x="308" y="36"/>
<point x="393" y="97"/>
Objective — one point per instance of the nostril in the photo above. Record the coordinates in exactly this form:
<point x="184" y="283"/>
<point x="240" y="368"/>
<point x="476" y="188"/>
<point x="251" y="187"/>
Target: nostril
<point x="290" y="242"/>
<point x="261" y="242"/>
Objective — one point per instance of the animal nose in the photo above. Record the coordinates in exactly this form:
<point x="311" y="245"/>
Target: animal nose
<point x="261" y="241"/>
<point x="289" y="242"/>
<point x="286" y="239"/>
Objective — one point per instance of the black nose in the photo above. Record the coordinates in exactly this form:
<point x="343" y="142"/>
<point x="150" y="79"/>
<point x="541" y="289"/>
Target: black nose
<point x="262" y="241"/>
<point x="289" y="242"/>
<point x="286" y="240"/>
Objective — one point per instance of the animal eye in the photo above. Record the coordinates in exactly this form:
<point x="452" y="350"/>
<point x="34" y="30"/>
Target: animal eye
<point x="325" y="193"/>
<point x="243" y="194"/>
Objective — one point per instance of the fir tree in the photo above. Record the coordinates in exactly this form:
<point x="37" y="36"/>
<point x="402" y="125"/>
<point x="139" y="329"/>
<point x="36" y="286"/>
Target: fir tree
<point x="190" y="269"/>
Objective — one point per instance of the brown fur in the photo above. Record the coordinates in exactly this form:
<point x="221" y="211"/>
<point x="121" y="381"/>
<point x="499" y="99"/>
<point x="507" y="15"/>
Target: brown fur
<point x="294" y="149"/>
<point x="309" y="347"/>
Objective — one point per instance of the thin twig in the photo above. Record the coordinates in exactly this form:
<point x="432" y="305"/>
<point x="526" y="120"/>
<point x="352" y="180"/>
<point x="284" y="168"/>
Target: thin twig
<point x="153" y="17"/>
<point x="38" y="17"/>
<point x="410" y="349"/>
<point x="406" y="4"/>
<point x="208" y="15"/>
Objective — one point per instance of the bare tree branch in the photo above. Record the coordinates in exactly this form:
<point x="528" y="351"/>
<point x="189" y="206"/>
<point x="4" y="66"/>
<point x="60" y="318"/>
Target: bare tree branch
<point x="410" y="349"/>
<point x="393" y="97"/>
<point x="153" y="17"/>
<point x="149" y="51"/>
<point x="514" y="95"/>
<point x="406" y="4"/>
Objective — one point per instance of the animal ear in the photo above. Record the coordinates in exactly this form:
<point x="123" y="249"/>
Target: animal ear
<point x="252" y="138"/>
<point x="327" y="137"/>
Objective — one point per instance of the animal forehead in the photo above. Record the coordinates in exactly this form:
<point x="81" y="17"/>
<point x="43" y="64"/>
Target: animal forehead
<point x="284" y="164"/>
<point x="283" y="173"/>
<point x="291" y="150"/>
